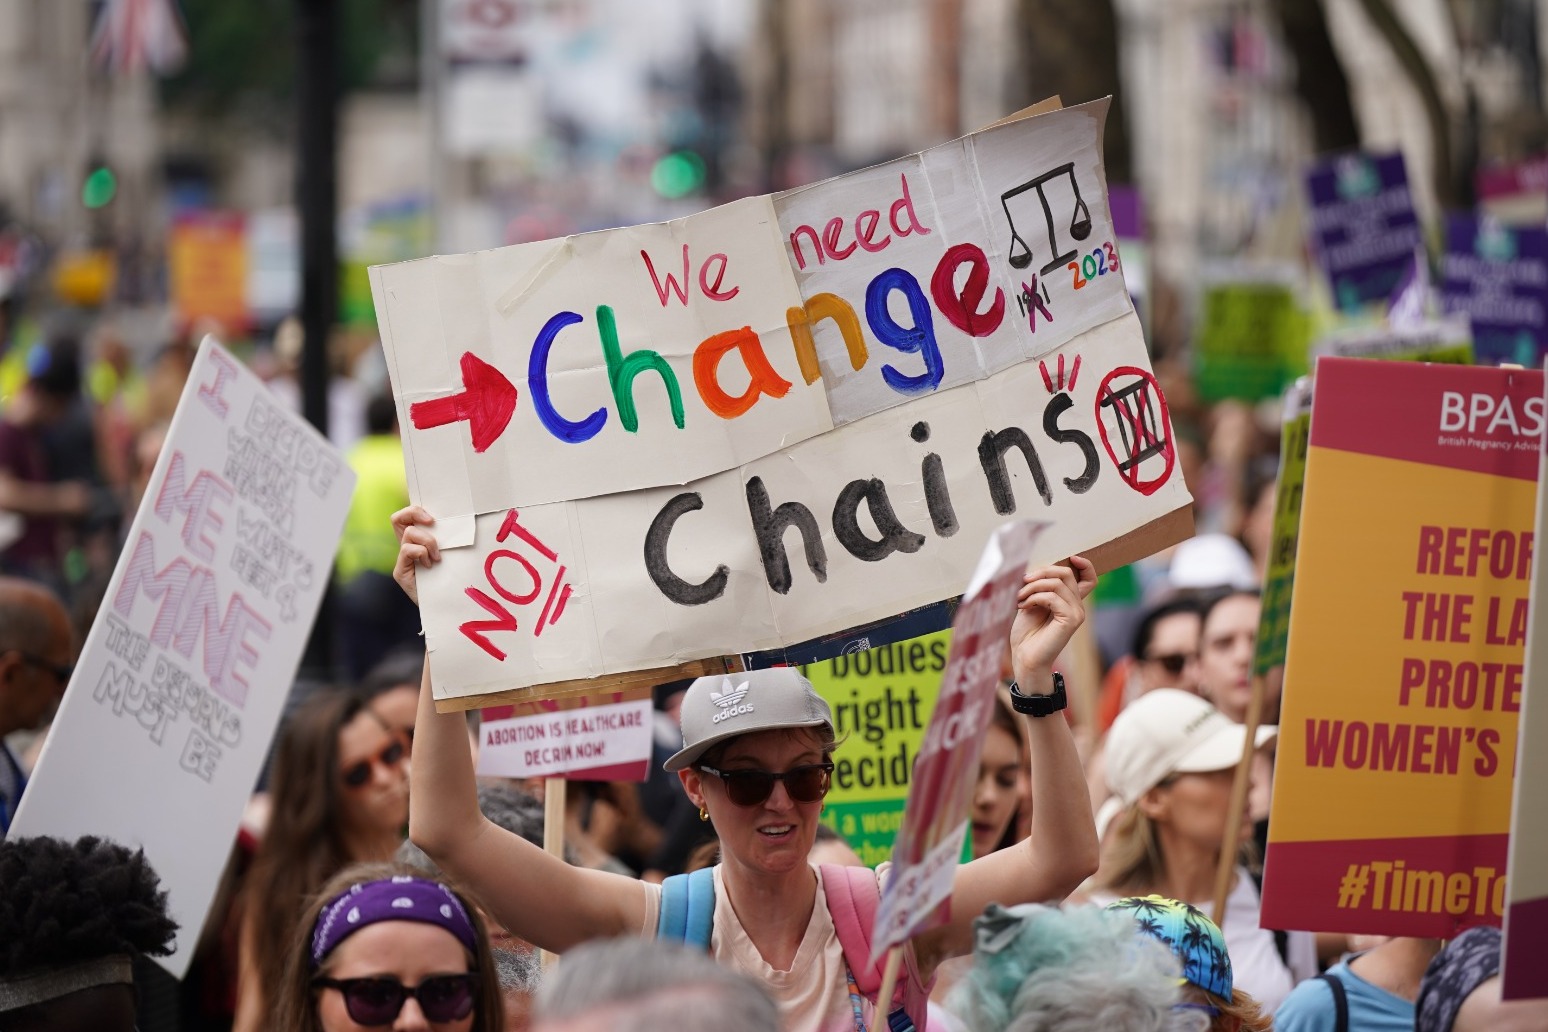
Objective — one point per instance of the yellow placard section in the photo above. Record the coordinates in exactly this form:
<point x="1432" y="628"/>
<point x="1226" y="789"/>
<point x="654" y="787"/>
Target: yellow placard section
<point x="207" y="268"/>
<point x="882" y="699"/>
<point x="1408" y="728"/>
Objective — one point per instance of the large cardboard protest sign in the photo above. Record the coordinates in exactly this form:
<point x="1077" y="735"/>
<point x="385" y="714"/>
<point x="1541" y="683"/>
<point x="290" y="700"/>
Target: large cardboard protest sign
<point x="935" y="822"/>
<point x="618" y="432"/>
<point x="606" y="737"/>
<point x="1524" y="964"/>
<point x="183" y="676"/>
<point x="1398" y="730"/>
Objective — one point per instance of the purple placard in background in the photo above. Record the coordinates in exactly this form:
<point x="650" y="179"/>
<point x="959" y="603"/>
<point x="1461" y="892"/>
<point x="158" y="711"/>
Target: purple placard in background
<point x="1363" y="226"/>
<point x="1127" y="210"/>
<point x="1497" y="276"/>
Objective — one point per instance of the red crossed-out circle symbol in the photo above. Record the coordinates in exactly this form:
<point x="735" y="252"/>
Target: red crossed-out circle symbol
<point x="1144" y="430"/>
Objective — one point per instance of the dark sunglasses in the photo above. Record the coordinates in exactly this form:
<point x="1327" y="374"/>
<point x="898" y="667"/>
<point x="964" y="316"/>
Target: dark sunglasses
<point x="1171" y="662"/>
<point x="358" y="774"/>
<point x="60" y="670"/>
<point x="805" y="784"/>
<point x="376" y="1001"/>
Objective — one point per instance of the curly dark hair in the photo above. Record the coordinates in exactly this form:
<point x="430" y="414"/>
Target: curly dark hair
<point x="68" y="902"/>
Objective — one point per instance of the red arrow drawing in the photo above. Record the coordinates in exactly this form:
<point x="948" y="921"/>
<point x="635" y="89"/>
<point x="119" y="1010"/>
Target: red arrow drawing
<point x="486" y="401"/>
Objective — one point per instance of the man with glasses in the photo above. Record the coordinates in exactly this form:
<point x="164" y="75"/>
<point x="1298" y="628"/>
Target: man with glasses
<point x="36" y="646"/>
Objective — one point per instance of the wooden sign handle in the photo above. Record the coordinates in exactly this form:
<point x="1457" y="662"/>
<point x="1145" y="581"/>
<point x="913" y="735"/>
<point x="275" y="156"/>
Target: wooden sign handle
<point x="553" y="833"/>
<point x="1239" y="786"/>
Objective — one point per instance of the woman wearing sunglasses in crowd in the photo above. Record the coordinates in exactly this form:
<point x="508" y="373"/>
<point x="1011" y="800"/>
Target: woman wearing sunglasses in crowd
<point x="388" y="946"/>
<point x="338" y="790"/>
<point x="757" y="761"/>
<point x="1165" y="654"/>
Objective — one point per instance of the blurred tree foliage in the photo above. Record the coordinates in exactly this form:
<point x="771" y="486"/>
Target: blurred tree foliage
<point x="242" y="55"/>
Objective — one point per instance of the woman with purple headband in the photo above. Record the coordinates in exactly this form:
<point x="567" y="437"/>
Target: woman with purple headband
<point x="385" y="946"/>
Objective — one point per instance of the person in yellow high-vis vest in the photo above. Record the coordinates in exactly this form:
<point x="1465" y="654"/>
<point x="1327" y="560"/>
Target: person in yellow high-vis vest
<point x="374" y="615"/>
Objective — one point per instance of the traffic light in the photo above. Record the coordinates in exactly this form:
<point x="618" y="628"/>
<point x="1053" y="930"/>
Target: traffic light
<point x="100" y="185"/>
<point x="677" y="174"/>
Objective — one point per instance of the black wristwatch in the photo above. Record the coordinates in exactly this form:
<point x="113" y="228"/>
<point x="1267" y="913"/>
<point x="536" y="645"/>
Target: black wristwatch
<point x="1040" y="705"/>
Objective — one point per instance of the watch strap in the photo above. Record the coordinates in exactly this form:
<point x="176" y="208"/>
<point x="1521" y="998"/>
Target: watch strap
<point x="1040" y="705"/>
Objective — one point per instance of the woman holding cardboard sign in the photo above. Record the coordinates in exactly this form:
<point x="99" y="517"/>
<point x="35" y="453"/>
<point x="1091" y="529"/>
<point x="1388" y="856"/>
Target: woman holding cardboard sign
<point x="757" y="758"/>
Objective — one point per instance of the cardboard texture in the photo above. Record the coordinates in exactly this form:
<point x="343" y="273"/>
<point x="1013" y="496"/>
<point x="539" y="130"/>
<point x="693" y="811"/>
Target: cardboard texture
<point x="618" y="432"/>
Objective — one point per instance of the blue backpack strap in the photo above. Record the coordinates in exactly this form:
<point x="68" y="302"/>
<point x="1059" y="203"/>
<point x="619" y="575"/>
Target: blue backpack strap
<point x="688" y="908"/>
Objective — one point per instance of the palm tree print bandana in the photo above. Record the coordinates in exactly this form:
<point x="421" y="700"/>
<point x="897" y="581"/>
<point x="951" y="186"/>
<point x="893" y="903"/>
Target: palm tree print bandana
<point x="1189" y="934"/>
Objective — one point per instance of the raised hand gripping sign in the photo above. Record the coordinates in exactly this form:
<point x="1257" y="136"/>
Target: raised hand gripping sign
<point x="889" y="364"/>
<point x="181" y="681"/>
<point x="935" y="820"/>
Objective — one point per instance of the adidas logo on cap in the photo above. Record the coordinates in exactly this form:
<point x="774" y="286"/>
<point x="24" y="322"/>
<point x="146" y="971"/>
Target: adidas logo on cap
<point x="730" y="701"/>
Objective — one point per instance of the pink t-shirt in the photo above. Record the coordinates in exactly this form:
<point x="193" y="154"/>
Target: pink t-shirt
<point x="813" y="994"/>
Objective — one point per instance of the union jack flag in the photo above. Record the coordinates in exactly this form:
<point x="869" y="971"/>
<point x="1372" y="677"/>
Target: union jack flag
<point x="132" y="35"/>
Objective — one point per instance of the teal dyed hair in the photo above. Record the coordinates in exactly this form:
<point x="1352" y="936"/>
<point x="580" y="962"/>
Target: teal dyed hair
<point x="1080" y="970"/>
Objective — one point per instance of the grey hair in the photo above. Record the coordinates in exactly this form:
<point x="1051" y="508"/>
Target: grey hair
<point x="1041" y="969"/>
<point x="642" y="985"/>
<point x="505" y="805"/>
<point x="519" y="970"/>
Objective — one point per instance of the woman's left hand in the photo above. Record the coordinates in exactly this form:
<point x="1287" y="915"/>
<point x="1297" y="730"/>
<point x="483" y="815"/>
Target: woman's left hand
<point x="1049" y="608"/>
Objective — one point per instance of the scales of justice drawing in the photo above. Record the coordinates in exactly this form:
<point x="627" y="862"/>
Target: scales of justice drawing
<point x="1020" y="254"/>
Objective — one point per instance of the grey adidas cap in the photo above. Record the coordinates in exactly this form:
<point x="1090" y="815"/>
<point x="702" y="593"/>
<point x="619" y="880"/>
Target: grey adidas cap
<point x="726" y="705"/>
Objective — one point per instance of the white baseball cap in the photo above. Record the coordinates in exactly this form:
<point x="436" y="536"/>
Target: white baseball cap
<point x="723" y="706"/>
<point x="1212" y="561"/>
<point x="1166" y="732"/>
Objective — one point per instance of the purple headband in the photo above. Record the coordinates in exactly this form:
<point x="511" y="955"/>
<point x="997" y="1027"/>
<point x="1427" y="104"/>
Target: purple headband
<point x="399" y="898"/>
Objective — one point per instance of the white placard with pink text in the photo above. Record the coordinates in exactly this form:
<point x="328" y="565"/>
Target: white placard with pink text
<point x="608" y="742"/>
<point x="184" y="674"/>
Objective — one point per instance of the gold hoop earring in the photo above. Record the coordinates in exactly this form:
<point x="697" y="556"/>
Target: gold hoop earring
<point x="703" y="814"/>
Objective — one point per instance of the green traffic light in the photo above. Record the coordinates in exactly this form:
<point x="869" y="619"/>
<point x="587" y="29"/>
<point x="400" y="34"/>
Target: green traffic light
<point x="678" y="174"/>
<point x="100" y="187"/>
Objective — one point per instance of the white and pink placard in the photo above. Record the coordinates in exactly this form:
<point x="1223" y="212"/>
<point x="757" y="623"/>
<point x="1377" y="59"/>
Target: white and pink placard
<point x="182" y="679"/>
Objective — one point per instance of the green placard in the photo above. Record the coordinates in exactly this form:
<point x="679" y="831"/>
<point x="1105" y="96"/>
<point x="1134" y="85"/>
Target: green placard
<point x="1448" y="341"/>
<point x="882" y="699"/>
<point x="1279" y="574"/>
<point x="1252" y="337"/>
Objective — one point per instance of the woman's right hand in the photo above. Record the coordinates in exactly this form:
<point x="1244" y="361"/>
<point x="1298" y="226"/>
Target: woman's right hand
<point x="416" y="548"/>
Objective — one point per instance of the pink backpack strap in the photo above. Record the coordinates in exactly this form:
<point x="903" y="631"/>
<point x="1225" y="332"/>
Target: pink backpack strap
<point x="853" y="896"/>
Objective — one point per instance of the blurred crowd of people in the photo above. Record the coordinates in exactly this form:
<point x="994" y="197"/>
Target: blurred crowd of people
<point x="85" y="403"/>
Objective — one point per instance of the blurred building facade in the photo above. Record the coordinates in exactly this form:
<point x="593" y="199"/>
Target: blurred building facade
<point x="60" y="117"/>
<point x="562" y="116"/>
